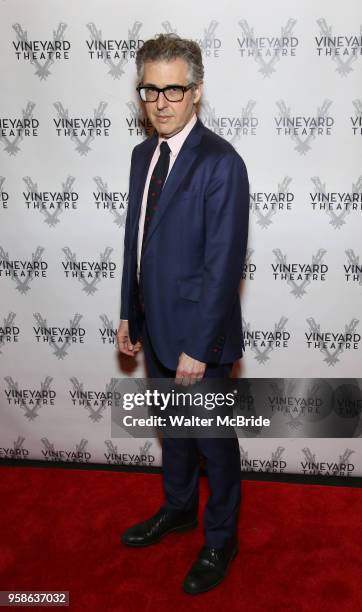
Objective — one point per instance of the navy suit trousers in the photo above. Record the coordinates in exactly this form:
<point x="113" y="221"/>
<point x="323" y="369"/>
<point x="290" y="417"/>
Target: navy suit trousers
<point x="181" y="465"/>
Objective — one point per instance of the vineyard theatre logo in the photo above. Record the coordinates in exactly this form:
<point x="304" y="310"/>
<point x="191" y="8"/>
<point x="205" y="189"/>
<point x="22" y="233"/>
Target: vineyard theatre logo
<point x="23" y="271"/>
<point x="50" y="204"/>
<point x="88" y="273"/>
<point x="263" y="341"/>
<point x="302" y="129"/>
<point x="136" y="124"/>
<point x="18" y="128"/>
<point x="95" y="400"/>
<point x="143" y="457"/>
<point x="31" y="399"/>
<point x="332" y="343"/>
<point x="41" y="53"/>
<point x="327" y="467"/>
<point x="209" y="43"/>
<point x="266" y="204"/>
<point x="267" y="51"/>
<point x="78" y="455"/>
<point x="342" y="49"/>
<point x="249" y="268"/>
<point x="8" y="331"/>
<point x="284" y="400"/>
<point x="228" y="126"/>
<point x="299" y="275"/>
<point x="82" y="130"/>
<point x="353" y="269"/>
<point x="4" y="196"/>
<point x="348" y="404"/>
<point x="18" y="451"/>
<point x="108" y="332"/>
<point x="114" y="53"/>
<point x="115" y="202"/>
<point x="356" y="121"/>
<point x="59" y="338"/>
<point x="256" y="464"/>
<point x="336" y="204"/>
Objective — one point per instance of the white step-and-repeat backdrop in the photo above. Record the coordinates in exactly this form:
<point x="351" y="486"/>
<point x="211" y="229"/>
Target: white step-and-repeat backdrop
<point x="283" y="83"/>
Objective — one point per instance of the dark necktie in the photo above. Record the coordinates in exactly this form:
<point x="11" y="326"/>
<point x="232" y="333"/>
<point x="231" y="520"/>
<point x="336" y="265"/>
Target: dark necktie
<point x="154" y="191"/>
<point x="158" y="178"/>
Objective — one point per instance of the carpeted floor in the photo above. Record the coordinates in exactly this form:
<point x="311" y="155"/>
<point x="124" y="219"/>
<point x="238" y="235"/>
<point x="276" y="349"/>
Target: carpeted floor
<point x="300" y="545"/>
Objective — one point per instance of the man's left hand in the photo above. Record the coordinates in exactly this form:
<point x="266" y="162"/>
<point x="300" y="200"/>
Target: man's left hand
<point x="189" y="370"/>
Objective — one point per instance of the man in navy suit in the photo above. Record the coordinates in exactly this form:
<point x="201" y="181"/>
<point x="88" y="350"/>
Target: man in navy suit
<point x="185" y="241"/>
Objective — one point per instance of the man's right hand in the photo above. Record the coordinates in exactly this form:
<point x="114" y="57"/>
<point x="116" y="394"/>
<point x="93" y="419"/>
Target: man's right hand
<point x="124" y="343"/>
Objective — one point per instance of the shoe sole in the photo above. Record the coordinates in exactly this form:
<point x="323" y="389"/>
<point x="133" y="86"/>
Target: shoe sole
<point x="180" y="529"/>
<point x="191" y="592"/>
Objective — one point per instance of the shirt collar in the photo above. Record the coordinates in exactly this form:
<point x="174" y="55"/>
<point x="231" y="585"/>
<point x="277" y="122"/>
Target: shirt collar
<point x="175" y="142"/>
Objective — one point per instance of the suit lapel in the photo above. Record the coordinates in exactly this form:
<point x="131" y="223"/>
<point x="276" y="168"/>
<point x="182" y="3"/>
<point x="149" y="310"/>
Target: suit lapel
<point x="186" y="157"/>
<point x="140" y="179"/>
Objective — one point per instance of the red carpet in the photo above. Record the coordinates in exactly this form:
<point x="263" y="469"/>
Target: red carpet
<point x="300" y="545"/>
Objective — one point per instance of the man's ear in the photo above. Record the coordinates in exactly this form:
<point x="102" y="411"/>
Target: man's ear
<point x="197" y="92"/>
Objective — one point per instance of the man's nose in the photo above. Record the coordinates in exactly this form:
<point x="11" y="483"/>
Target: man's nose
<point x="162" y="101"/>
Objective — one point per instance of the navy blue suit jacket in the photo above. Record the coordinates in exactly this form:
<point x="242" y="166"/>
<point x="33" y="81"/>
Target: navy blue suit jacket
<point x="193" y="253"/>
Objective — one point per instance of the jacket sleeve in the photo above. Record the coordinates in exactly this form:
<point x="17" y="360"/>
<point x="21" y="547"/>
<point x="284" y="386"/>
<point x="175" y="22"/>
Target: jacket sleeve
<point x="226" y="234"/>
<point x="126" y="253"/>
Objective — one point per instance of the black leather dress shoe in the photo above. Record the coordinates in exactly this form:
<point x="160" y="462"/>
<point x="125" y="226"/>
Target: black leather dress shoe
<point x="210" y="568"/>
<point x="159" y="525"/>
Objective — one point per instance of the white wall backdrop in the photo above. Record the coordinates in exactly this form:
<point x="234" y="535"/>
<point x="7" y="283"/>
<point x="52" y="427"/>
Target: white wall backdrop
<point x="283" y="83"/>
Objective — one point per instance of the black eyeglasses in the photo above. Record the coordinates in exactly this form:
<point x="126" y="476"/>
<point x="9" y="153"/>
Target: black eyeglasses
<point x="172" y="93"/>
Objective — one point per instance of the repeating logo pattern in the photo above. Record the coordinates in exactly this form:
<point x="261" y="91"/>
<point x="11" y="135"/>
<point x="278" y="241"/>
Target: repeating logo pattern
<point x="337" y="205"/>
<point x="271" y="202"/>
<point x="230" y="127"/>
<point x="23" y="271"/>
<point x="274" y="464"/>
<point x="263" y="341"/>
<point x="332" y="343"/>
<point x="8" y="331"/>
<point x="30" y="401"/>
<point x="353" y="269"/>
<point x="343" y="50"/>
<point x="303" y="129"/>
<point x="50" y="204"/>
<point x="82" y="130"/>
<point x="59" y="339"/>
<point x="89" y="272"/>
<point x="42" y="54"/>
<point x="267" y="51"/>
<point x="115" y="53"/>
<point x="141" y="458"/>
<point x="285" y="94"/>
<point x="14" y="129"/>
<point x="342" y="466"/>
<point x="299" y="275"/>
<point x="115" y="202"/>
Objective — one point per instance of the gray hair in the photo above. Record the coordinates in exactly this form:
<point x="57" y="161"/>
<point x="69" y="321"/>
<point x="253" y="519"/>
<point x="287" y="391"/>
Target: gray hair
<point x="166" y="47"/>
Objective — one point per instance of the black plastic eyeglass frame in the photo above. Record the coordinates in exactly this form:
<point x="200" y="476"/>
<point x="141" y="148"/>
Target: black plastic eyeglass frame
<point x="183" y="88"/>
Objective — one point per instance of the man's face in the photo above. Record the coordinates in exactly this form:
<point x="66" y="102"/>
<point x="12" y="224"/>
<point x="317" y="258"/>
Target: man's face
<point x="168" y="118"/>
